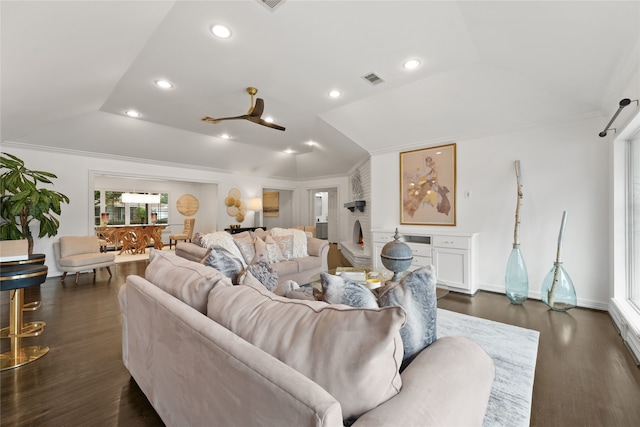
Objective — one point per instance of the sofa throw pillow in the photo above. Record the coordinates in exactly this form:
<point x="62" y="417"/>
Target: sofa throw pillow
<point x="225" y="262"/>
<point x="274" y="254"/>
<point x="339" y="290"/>
<point x="299" y="240"/>
<point x="285" y="243"/>
<point x="223" y="239"/>
<point x="197" y="239"/>
<point x="246" y="247"/>
<point x="416" y="293"/>
<point x="261" y="233"/>
<point x="264" y="274"/>
<point x="186" y="280"/>
<point x="260" y="247"/>
<point x="353" y="353"/>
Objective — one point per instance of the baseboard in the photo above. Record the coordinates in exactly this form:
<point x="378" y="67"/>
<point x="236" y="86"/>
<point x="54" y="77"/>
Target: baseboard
<point x="627" y="321"/>
<point x="585" y="303"/>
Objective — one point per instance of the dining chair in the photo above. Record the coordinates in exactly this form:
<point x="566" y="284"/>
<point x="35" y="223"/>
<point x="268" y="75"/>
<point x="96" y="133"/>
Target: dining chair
<point x="186" y="234"/>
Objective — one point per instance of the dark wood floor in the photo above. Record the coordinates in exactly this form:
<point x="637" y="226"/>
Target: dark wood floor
<point x="584" y="375"/>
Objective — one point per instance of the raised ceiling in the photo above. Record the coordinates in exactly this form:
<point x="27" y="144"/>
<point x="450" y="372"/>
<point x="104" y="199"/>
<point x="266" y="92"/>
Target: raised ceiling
<point x="71" y="69"/>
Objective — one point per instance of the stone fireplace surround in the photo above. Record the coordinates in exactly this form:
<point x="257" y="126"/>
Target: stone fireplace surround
<point x="358" y="254"/>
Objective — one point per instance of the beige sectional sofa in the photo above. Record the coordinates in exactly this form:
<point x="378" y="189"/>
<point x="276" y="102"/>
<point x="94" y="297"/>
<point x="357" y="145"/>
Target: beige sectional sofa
<point x="206" y="352"/>
<point x="300" y="270"/>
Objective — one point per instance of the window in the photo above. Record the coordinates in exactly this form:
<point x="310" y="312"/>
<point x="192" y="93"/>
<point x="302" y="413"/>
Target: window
<point x="633" y="229"/>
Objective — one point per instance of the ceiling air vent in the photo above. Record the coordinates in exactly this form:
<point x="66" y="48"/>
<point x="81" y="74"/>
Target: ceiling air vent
<point x="271" y="4"/>
<point x="373" y="78"/>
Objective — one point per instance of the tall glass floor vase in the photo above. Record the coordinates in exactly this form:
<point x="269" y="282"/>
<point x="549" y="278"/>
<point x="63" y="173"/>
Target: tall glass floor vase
<point x="516" y="278"/>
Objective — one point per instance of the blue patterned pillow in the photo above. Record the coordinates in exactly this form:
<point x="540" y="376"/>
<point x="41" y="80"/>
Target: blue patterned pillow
<point x="416" y="293"/>
<point x="265" y="274"/>
<point x="225" y="262"/>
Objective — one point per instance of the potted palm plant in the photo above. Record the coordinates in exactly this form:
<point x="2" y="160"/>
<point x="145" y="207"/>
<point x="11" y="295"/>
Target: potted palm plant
<point x="24" y="201"/>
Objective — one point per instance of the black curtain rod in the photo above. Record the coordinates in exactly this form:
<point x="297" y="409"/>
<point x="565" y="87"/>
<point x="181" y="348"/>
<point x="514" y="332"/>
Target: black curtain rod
<point x="623" y="103"/>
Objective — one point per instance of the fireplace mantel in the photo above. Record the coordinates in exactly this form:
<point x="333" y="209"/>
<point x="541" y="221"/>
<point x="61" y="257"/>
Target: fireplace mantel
<point x="356" y="204"/>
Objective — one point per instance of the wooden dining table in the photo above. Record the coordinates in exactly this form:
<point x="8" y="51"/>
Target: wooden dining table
<point x="132" y="238"/>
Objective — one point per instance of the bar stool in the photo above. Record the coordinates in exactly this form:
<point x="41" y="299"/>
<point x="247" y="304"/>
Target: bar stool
<point x="33" y="259"/>
<point x="15" y="278"/>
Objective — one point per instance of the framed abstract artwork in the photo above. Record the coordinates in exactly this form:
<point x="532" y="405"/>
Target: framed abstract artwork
<point x="428" y="186"/>
<point x="271" y="203"/>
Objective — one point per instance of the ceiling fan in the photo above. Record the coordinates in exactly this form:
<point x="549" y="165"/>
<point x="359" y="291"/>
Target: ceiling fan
<point x="253" y="115"/>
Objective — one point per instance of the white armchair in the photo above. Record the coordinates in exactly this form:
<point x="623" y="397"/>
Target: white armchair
<point x="80" y="253"/>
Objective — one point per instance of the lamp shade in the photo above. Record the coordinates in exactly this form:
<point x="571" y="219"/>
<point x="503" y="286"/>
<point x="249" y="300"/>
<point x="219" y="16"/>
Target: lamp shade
<point x="255" y="204"/>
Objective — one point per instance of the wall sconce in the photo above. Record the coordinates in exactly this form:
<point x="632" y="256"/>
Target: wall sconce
<point x="104" y="218"/>
<point x="255" y="204"/>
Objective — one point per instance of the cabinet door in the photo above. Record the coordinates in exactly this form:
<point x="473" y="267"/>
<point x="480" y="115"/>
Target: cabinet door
<point x="419" y="262"/>
<point x="452" y="267"/>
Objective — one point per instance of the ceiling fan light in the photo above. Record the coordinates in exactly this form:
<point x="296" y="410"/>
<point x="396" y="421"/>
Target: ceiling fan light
<point x="164" y="84"/>
<point x="411" y="64"/>
<point x="221" y="31"/>
<point x="132" y="113"/>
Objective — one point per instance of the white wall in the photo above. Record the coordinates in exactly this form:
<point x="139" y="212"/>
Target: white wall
<point x="74" y="170"/>
<point x="564" y="167"/>
<point x="285" y="210"/>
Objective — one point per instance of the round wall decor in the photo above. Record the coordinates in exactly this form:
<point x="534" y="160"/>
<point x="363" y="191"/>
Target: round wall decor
<point x="187" y="204"/>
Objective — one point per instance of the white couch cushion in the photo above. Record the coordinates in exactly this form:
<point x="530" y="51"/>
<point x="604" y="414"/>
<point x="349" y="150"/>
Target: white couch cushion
<point x="354" y="354"/>
<point x="186" y="280"/>
<point x="76" y="245"/>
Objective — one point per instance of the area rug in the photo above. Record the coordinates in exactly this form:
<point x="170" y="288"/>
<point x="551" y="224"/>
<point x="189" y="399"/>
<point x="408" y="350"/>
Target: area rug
<point x="514" y="351"/>
<point x="127" y="257"/>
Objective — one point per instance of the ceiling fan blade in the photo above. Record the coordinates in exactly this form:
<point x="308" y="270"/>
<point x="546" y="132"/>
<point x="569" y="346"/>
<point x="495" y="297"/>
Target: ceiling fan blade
<point x="258" y="108"/>
<point x="215" y="121"/>
<point x="271" y="125"/>
<point x="254" y="115"/>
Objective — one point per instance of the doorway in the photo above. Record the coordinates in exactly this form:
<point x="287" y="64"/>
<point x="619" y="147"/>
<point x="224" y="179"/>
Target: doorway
<point x="324" y="213"/>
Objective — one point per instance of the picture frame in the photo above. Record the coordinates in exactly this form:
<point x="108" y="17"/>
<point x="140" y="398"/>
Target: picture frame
<point x="271" y="203"/>
<point x="428" y="186"/>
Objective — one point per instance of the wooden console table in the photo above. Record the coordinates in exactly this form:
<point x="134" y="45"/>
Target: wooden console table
<point x="132" y="238"/>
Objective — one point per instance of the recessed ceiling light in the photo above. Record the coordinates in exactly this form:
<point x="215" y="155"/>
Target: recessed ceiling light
<point x="311" y="143"/>
<point x="164" y="84"/>
<point x="335" y="94"/>
<point x="411" y="64"/>
<point x="225" y="136"/>
<point x="268" y="119"/>
<point x="221" y="31"/>
<point x="289" y="151"/>
<point x="132" y="113"/>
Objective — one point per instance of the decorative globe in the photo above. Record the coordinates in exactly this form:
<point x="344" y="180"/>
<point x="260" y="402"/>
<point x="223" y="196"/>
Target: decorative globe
<point x="396" y="256"/>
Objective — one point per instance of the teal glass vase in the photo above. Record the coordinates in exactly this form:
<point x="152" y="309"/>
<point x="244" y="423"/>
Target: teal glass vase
<point x="516" y="278"/>
<point x="557" y="289"/>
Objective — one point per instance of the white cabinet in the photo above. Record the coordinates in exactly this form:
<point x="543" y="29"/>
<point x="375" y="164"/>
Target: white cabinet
<point x="453" y="255"/>
<point x="454" y="258"/>
<point x="421" y="255"/>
